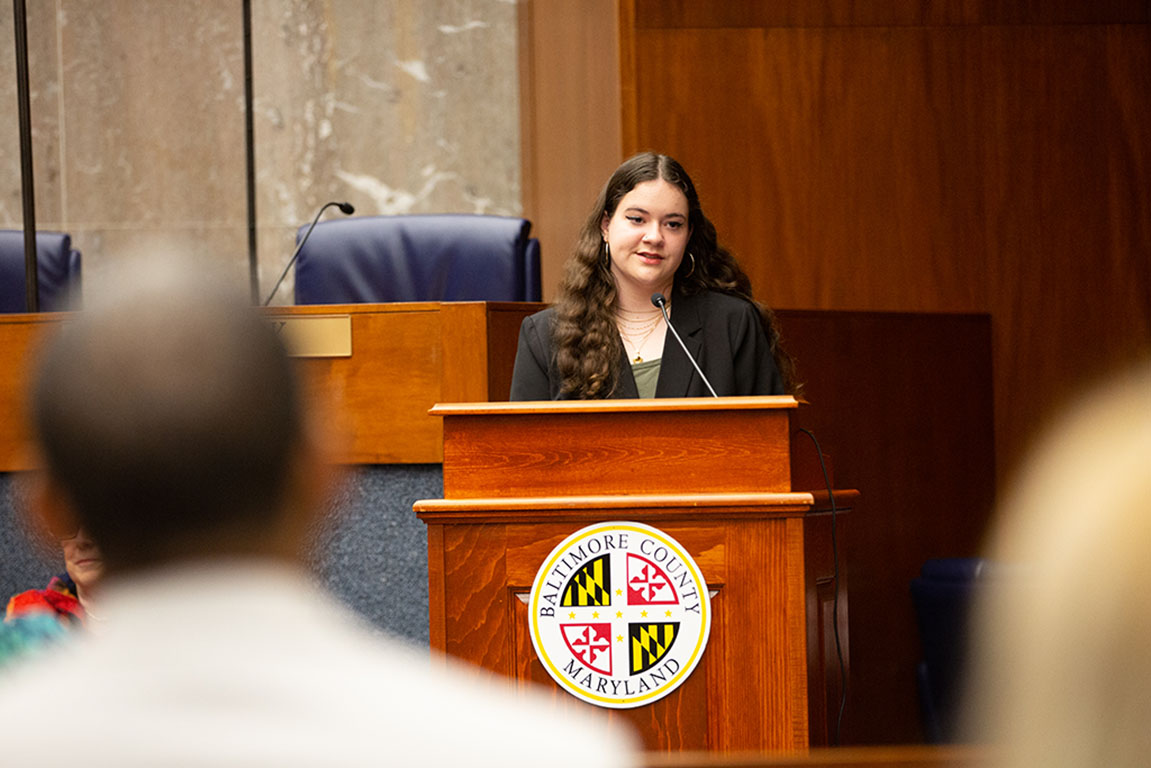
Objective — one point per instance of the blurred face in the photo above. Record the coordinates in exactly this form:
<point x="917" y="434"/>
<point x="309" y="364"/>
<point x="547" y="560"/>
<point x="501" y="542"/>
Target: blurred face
<point x="83" y="561"/>
<point x="647" y="234"/>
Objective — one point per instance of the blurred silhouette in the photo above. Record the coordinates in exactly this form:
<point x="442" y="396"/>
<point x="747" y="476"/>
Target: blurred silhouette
<point x="1063" y="660"/>
<point x="172" y="428"/>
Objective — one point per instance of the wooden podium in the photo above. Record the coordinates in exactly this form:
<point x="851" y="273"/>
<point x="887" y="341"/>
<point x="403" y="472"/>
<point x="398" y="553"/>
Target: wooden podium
<point x="718" y="475"/>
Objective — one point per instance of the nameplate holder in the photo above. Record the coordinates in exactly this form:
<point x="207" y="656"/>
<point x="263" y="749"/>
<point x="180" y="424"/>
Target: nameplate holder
<point x="315" y="335"/>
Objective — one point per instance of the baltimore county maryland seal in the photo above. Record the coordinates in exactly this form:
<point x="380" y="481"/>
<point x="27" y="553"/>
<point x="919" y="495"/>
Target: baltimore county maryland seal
<point x="619" y="614"/>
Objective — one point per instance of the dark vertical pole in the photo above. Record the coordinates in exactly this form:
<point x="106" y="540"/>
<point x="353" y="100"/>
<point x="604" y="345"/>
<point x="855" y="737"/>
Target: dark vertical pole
<point x="31" y="276"/>
<point x="250" y="146"/>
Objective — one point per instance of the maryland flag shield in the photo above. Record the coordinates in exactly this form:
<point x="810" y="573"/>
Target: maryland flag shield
<point x="591" y="584"/>
<point x="619" y="614"/>
<point x="650" y="643"/>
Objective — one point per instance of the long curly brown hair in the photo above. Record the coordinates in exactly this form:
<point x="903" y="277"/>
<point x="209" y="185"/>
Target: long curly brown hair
<point x="585" y="335"/>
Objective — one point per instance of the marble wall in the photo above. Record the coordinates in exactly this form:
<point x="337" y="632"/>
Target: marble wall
<point x="138" y="126"/>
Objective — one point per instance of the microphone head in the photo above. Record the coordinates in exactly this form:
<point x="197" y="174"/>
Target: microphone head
<point x="658" y="300"/>
<point x="346" y="208"/>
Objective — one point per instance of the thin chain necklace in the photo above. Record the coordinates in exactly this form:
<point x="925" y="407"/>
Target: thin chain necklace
<point x="630" y="329"/>
<point x="637" y="328"/>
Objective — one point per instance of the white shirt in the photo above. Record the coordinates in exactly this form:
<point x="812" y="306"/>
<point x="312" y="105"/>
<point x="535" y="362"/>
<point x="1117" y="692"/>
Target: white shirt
<point x="251" y="665"/>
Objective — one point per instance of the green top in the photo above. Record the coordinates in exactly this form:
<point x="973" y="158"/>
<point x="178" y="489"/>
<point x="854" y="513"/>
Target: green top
<point x="646" y="375"/>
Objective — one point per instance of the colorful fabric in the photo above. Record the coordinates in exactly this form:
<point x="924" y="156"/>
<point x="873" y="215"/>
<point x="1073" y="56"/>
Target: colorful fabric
<point x="24" y="635"/>
<point x="58" y="600"/>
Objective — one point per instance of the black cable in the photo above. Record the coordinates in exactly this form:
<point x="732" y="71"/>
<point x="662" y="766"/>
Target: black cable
<point x="835" y="600"/>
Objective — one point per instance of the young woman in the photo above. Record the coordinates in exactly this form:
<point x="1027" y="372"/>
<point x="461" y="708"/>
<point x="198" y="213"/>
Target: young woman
<point x="605" y="338"/>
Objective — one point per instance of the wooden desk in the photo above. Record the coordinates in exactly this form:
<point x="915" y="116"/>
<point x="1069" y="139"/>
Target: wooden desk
<point x="405" y="358"/>
<point x="20" y="337"/>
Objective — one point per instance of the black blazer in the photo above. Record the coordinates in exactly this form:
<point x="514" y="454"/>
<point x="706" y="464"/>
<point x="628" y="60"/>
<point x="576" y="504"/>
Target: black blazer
<point x="723" y="333"/>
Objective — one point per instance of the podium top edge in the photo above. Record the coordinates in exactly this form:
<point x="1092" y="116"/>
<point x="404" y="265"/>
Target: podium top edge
<point x="759" y="402"/>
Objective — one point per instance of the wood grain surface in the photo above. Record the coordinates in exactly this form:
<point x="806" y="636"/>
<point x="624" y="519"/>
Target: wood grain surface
<point x="927" y="157"/>
<point x="751" y="689"/>
<point x="917" y="756"/>
<point x="569" y="118"/>
<point x="669" y="14"/>
<point x="571" y="449"/>
<point x="20" y="336"/>
<point x="487" y="541"/>
<point x="915" y="155"/>
<point x="405" y="358"/>
<point x="903" y="403"/>
<point x="960" y="156"/>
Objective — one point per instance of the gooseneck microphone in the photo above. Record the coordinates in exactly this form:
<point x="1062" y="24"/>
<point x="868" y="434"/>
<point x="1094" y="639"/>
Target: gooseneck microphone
<point x="658" y="300"/>
<point x="346" y="208"/>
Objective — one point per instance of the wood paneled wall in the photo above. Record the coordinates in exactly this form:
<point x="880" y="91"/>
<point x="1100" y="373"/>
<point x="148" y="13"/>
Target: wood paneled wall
<point x="915" y="436"/>
<point x="911" y="156"/>
<point x="1001" y="168"/>
<point x="960" y="156"/>
<point x="569" y="118"/>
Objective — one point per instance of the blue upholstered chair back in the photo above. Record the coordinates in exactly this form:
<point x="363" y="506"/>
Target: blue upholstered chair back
<point x="942" y="596"/>
<point x="57" y="268"/>
<point x="434" y="257"/>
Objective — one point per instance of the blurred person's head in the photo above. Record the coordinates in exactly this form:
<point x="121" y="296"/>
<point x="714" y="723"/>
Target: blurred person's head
<point x="171" y="426"/>
<point x="83" y="561"/>
<point x="1063" y="675"/>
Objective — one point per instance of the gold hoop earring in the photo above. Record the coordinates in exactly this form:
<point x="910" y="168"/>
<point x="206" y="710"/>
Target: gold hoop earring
<point x="606" y="260"/>
<point x="691" y="256"/>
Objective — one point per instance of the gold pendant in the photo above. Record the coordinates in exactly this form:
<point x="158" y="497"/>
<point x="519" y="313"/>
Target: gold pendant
<point x="638" y="359"/>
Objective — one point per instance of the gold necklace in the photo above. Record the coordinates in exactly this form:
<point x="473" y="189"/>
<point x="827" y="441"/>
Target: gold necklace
<point x="638" y="321"/>
<point x="637" y="329"/>
<point x="620" y="311"/>
<point x="638" y="347"/>
<point x="630" y="329"/>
